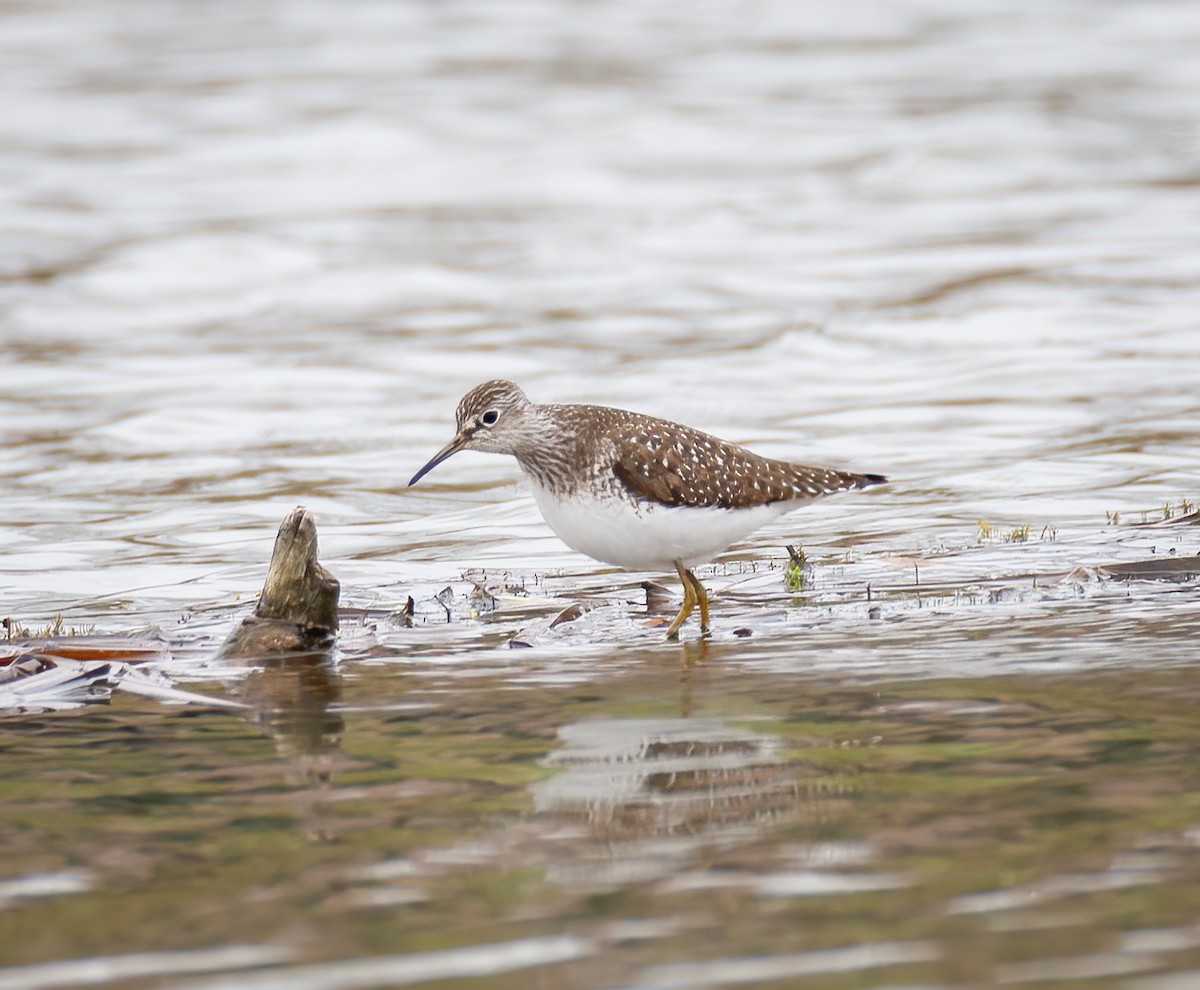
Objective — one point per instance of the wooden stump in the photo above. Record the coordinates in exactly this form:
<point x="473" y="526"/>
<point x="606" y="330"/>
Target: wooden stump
<point x="297" y="610"/>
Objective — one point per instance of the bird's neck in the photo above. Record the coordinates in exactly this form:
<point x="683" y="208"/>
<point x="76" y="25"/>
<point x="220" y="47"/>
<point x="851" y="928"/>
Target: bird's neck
<point x="551" y="450"/>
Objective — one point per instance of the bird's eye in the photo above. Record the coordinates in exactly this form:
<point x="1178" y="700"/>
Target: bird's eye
<point x="489" y="417"/>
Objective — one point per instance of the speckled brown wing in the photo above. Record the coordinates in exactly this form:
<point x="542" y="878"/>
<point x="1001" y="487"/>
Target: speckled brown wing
<point x="675" y="465"/>
<point x="656" y="483"/>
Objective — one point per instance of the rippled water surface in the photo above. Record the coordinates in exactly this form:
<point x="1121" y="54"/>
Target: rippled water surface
<point x="254" y="253"/>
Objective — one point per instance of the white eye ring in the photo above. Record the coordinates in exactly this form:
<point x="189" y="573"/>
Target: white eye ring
<point x="489" y="417"/>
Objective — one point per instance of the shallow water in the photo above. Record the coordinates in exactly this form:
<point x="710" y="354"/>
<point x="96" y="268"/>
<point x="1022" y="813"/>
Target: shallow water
<point x="255" y="254"/>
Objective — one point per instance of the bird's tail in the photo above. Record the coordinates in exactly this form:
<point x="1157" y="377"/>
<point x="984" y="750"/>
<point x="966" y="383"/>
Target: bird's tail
<point x="813" y="482"/>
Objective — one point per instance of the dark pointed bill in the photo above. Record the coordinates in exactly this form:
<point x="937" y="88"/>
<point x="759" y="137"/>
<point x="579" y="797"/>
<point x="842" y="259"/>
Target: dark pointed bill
<point x="453" y="447"/>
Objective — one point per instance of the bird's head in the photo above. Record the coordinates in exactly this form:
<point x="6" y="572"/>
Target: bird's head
<point x="489" y="418"/>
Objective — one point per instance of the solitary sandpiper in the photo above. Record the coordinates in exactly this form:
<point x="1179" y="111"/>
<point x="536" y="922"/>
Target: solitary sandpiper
<point x="635" y="491"/>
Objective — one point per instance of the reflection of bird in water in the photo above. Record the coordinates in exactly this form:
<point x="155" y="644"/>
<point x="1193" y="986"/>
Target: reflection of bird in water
<point x="654" y="790"/>
<point x="635" y="491"/>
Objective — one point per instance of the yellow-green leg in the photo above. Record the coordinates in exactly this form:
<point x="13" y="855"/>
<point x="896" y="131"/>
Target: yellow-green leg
<point x="701" y="600"/>
<point x="689" y="601"/>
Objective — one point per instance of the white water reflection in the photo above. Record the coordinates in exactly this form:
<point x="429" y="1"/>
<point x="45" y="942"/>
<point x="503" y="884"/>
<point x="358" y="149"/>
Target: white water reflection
<point x="759" y="969"/>
<point x="1128" y="871"/>
<point x="101" y="970"/>
<point x="45" y="885"/>
<point x="403" y="970"/>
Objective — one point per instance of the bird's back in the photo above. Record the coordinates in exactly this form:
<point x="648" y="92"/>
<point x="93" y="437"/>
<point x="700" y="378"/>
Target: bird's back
<point x="659" y="461"/>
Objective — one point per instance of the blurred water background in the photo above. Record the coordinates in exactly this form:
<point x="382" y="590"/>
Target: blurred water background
<point x="253" y="253"/>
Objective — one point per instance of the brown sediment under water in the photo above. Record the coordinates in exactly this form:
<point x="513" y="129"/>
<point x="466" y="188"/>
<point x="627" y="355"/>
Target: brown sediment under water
<point x="253" y="258"/>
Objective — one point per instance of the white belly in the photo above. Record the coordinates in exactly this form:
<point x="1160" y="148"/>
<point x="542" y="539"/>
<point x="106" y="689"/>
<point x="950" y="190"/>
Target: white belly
<point x="648" y="537"/>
